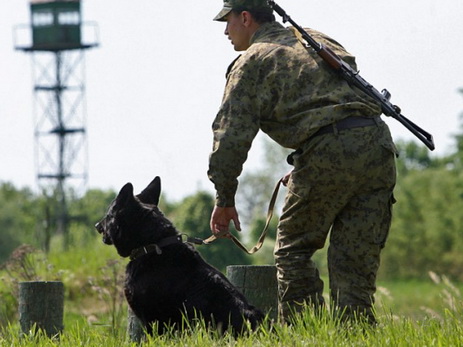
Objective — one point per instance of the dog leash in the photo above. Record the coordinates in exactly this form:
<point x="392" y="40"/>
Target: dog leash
<point x="260" y="242"/>
<point x="157" y="247"/>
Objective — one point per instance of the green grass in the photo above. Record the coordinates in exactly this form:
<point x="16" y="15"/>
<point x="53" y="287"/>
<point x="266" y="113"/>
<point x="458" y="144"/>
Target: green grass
<point x="411" y="313"/>
<point x="306" y="331"/>
<point x="419" y="299"/>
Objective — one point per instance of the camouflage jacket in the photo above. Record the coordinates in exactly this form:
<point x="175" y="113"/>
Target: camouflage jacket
<point x="287" y="91"/>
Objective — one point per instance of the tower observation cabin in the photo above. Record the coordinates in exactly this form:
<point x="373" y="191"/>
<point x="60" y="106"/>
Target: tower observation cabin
<point x="58" y="25"/>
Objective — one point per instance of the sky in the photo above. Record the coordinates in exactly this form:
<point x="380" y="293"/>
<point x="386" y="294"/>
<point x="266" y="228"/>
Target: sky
<point x="154" y="84"/>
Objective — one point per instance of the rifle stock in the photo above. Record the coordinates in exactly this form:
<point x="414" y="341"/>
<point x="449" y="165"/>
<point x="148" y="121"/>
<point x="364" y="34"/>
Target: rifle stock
<point x="354" y="78"/>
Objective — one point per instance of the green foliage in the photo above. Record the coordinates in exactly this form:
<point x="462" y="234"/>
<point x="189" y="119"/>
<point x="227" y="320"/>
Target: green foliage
<point x="427" y="220"/>
<point x="419" y="299"/>
<point x="427" y="224"/>
<point x="413" y="156"/>
<point x="27" y="218"/>
<point x="91" y="207"/>
<point x="18" y="212"/>
<point x="191" y="216"/>
<point x="85" y="213"/>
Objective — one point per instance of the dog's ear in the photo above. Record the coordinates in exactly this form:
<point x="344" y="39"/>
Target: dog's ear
<point x="125" y="195"/>
<point x="150" y="195"/>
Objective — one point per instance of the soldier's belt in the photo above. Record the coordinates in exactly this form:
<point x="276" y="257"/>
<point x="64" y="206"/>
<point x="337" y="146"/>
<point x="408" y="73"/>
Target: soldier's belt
<point x="346" y="123"/>
<point x="343" y="124"/>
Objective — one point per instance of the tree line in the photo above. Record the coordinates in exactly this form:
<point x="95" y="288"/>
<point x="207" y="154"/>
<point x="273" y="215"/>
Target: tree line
<point x="426" y="232"/>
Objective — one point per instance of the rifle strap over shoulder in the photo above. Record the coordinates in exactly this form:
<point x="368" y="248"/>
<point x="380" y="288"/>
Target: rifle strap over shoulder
<point x="298" y="35"/>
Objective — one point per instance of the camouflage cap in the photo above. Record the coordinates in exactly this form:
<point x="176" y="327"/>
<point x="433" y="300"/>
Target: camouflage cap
<point x="242" y="5"/>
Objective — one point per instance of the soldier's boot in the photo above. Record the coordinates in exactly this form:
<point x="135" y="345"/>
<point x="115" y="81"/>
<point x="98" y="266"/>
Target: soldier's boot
<point x="290" y="310"/>
<point x="298" y="292"/>
<point x="355" y="314"/>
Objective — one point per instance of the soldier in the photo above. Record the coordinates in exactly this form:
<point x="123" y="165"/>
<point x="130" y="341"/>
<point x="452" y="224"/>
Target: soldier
<point x="344" y="159"/>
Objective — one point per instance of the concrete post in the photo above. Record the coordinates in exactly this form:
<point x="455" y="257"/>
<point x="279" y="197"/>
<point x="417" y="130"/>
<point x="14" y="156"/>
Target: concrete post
<point x="258" y="283"/>
<point x="41" y="304"/>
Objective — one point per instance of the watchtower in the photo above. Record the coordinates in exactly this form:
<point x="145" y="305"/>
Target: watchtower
<point x="57" y="38"/>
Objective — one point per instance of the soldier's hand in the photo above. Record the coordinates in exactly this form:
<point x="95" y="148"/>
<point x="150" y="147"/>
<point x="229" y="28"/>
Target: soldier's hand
<point x="220" y="221"/>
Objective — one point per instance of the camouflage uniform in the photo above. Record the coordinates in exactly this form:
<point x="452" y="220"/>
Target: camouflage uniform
<point x="341" y="180"/>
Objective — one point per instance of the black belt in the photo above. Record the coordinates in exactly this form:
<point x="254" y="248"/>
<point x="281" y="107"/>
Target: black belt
<point x="346" y="123"/>
<point x="343" y="124"/>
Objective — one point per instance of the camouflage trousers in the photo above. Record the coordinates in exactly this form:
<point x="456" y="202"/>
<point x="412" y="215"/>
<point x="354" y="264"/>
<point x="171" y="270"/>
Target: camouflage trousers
<point x="342" y="185"/>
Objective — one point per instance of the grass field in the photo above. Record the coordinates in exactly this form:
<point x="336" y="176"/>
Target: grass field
<point x="411" y="313"/>
<point x="307" y="331"/>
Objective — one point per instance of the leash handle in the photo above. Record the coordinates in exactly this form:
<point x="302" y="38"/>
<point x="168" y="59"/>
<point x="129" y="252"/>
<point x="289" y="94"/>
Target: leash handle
<point x="262" y="236"/>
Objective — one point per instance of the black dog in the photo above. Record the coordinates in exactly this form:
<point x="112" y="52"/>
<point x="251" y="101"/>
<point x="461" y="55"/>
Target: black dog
<point x="167" y="281"/>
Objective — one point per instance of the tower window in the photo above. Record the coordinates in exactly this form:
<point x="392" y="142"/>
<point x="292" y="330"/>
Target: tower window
<point x="68" y="18"/>
<point x="42" y="18"/>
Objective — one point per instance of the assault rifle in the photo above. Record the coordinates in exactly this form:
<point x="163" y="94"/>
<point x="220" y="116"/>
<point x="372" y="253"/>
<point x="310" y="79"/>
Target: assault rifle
<point x="353" y="78"/>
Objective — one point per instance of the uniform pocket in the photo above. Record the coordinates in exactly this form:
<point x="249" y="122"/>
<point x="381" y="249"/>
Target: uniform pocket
<point x="383" y="233"/>
<point x="298" y="190"/>
<point x="390" y="146"/>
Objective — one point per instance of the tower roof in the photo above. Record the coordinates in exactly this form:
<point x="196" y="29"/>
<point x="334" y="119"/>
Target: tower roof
<point x="45" y="1"/>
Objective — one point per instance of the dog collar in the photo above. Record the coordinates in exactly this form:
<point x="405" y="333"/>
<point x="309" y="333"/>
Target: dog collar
<point x="157" y="247"/>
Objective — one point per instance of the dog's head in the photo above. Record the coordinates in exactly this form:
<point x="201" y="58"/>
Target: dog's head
<point x="135" y="221"/>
